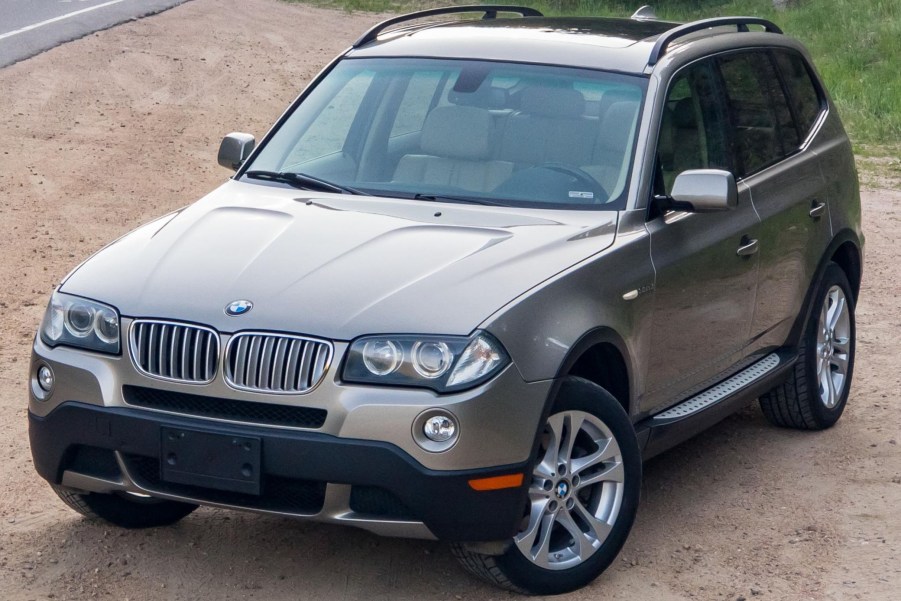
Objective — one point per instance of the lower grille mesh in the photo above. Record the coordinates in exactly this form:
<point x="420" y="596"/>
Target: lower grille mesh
<point x="230" y="409"/>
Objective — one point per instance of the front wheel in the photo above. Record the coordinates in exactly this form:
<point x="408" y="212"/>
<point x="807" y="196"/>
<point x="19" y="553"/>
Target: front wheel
<point x="582" y="500"/>
<point x="125" y="510"/>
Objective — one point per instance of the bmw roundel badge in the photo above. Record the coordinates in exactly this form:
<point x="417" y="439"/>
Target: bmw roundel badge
<point x="238" y="307"/>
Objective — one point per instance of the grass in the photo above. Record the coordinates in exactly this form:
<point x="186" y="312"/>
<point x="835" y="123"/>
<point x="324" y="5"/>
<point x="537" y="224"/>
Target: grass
<point x="856" y="45"/>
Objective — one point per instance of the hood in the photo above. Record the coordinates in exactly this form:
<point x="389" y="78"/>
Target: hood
<point x="336" y="266"/>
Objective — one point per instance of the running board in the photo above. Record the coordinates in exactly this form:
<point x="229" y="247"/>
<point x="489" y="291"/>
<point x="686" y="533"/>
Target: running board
<point x="679" y="423"/>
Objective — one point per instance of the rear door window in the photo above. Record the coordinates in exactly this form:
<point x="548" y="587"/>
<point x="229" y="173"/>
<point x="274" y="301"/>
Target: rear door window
<point x="763" y="130"/>
<point x="804" y="95"/>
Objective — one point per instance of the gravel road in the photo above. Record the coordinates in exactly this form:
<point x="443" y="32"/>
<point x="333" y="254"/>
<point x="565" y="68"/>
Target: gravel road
<point x="106" y="132"/>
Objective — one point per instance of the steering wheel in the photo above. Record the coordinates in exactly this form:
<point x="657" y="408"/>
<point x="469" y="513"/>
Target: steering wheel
<point x="583" y="177"/>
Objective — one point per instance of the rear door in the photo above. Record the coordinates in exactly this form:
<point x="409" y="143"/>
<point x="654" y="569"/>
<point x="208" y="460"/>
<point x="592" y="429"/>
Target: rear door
<point x="769" y="126"/>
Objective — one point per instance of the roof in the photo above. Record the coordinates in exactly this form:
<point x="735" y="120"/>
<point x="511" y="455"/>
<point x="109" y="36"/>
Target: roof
<point x="632" y="45"/>
<point x="622" y="45"/>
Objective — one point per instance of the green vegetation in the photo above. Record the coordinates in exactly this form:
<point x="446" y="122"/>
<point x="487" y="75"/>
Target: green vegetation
<point x="856" y="45"/>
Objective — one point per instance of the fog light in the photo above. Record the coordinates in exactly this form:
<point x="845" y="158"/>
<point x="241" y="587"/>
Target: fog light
<point x="440" y="428"/>
<point x="45" y="378"/>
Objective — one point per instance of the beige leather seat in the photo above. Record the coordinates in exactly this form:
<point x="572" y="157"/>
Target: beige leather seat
<point x="455" y="151"/>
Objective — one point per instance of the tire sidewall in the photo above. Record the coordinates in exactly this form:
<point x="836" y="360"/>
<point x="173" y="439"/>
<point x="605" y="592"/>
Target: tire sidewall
<point x="577" y="394"/>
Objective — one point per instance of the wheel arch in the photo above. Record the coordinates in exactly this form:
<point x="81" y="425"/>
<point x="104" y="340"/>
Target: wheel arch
<point x="845" y="251"/>
<point x="601" y="356"/>
<point x="847" y="256"/>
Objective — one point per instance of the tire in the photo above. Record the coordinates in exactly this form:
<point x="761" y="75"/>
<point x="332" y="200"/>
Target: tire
<point x="584" y="524"/>
<point x="123" y="510"/>
<point x="815" y="394"/>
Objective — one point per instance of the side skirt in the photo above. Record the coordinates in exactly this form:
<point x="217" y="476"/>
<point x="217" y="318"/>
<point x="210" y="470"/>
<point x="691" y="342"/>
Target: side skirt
<point x="690" y="417"/>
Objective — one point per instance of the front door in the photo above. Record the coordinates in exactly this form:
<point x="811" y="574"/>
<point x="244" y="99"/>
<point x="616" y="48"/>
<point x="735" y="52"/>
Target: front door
<point x="705" y="291"/>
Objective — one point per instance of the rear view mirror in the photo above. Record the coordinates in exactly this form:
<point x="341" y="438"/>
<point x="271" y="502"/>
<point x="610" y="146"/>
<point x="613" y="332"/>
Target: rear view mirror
<point x="234" y="149"/>
<point x="705" y="190"/>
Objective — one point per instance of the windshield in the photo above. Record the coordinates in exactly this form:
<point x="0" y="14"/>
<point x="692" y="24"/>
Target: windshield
<point x="461" y="130"/>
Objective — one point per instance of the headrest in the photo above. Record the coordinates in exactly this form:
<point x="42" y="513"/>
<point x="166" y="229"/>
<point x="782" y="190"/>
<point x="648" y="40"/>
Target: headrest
<point x="552" y="102"/>
<point x="460" y="132"/>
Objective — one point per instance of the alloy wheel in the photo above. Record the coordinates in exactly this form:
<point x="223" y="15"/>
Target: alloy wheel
<point x="833" y="346"/>
<point x="576" y="492"/>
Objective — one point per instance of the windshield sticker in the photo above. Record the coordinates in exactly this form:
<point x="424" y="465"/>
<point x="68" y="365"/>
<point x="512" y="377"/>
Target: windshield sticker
<point x="578" y="194"/>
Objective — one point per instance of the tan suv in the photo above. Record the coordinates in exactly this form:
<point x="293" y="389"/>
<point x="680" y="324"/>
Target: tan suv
<point x="474" y="275"/>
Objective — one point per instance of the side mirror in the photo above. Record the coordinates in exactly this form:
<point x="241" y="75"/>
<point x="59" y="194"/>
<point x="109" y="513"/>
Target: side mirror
<point x="705" y="191"/>
<point x="234" y="149"/>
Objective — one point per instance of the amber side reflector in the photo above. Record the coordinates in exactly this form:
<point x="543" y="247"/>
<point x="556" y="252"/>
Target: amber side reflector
<point x="496" y="482"/>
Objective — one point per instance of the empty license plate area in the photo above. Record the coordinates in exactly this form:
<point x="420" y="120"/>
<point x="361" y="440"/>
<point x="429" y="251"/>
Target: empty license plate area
<point x="210" y="460"/>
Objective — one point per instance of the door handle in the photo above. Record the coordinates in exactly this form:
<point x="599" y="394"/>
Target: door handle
<point x="817" y="209"/>
<point x="748" y="247"/>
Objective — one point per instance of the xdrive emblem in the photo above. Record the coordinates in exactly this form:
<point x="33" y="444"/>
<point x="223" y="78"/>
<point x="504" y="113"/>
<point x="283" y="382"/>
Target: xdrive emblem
<point x="239" y="307"/>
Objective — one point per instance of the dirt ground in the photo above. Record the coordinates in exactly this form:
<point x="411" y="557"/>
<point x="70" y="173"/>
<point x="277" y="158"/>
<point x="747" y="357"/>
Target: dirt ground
<point x="105" y="133"/>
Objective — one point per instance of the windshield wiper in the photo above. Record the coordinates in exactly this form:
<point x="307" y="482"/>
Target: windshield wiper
<point x="303" y="181"/>
<point x="465" y="199"/>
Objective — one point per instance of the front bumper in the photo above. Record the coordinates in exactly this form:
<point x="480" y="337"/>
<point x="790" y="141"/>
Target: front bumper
<point x="359" y="466"/>
<point x="372" y="485"/>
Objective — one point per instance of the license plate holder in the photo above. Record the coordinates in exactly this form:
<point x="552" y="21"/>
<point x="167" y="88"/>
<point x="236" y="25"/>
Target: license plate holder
<point x="210" y="460"/>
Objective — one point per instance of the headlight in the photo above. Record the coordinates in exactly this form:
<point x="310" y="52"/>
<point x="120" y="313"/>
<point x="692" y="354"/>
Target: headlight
<point x="442" y="363"/>
<point x="79" y="322"/>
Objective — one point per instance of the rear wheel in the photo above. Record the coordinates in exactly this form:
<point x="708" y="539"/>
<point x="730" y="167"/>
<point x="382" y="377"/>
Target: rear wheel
<point x="814" y="396"/>
<point x="124" y="509"/>
<point x="581" y="503"/>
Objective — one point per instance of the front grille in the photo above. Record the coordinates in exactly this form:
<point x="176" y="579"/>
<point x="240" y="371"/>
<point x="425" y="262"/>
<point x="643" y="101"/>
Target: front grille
<point x="230" y="409"/>
<point x="174" y="351"/>
<point x="288" y="495"/>
<point x="276" y="363"/>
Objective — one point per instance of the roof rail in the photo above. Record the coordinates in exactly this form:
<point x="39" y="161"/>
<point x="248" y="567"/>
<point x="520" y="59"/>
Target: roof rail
<point x="741" y="23"/>
<point x="490" y="12"/>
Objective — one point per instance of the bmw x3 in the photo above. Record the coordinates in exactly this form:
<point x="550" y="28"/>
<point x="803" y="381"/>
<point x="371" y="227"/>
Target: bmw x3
<point x="476" y="273"/>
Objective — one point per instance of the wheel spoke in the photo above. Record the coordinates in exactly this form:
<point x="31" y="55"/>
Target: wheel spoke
<point x="599" y="528"/>
<point x="821" y="365"/>
<point x="842" y="345"/>
<point x="828" y="388"/>
<point x="837" y="310"/>
<point x="613" y="473"/>
<point x="824" y="319"/>
<point x="547" y="467"/>
<point x="572" y="425"/>
<point x="607" y="450"/>
<point x="581" y="547"/>
<point x="840" y="361"/>
<point x="537" y="523"/>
